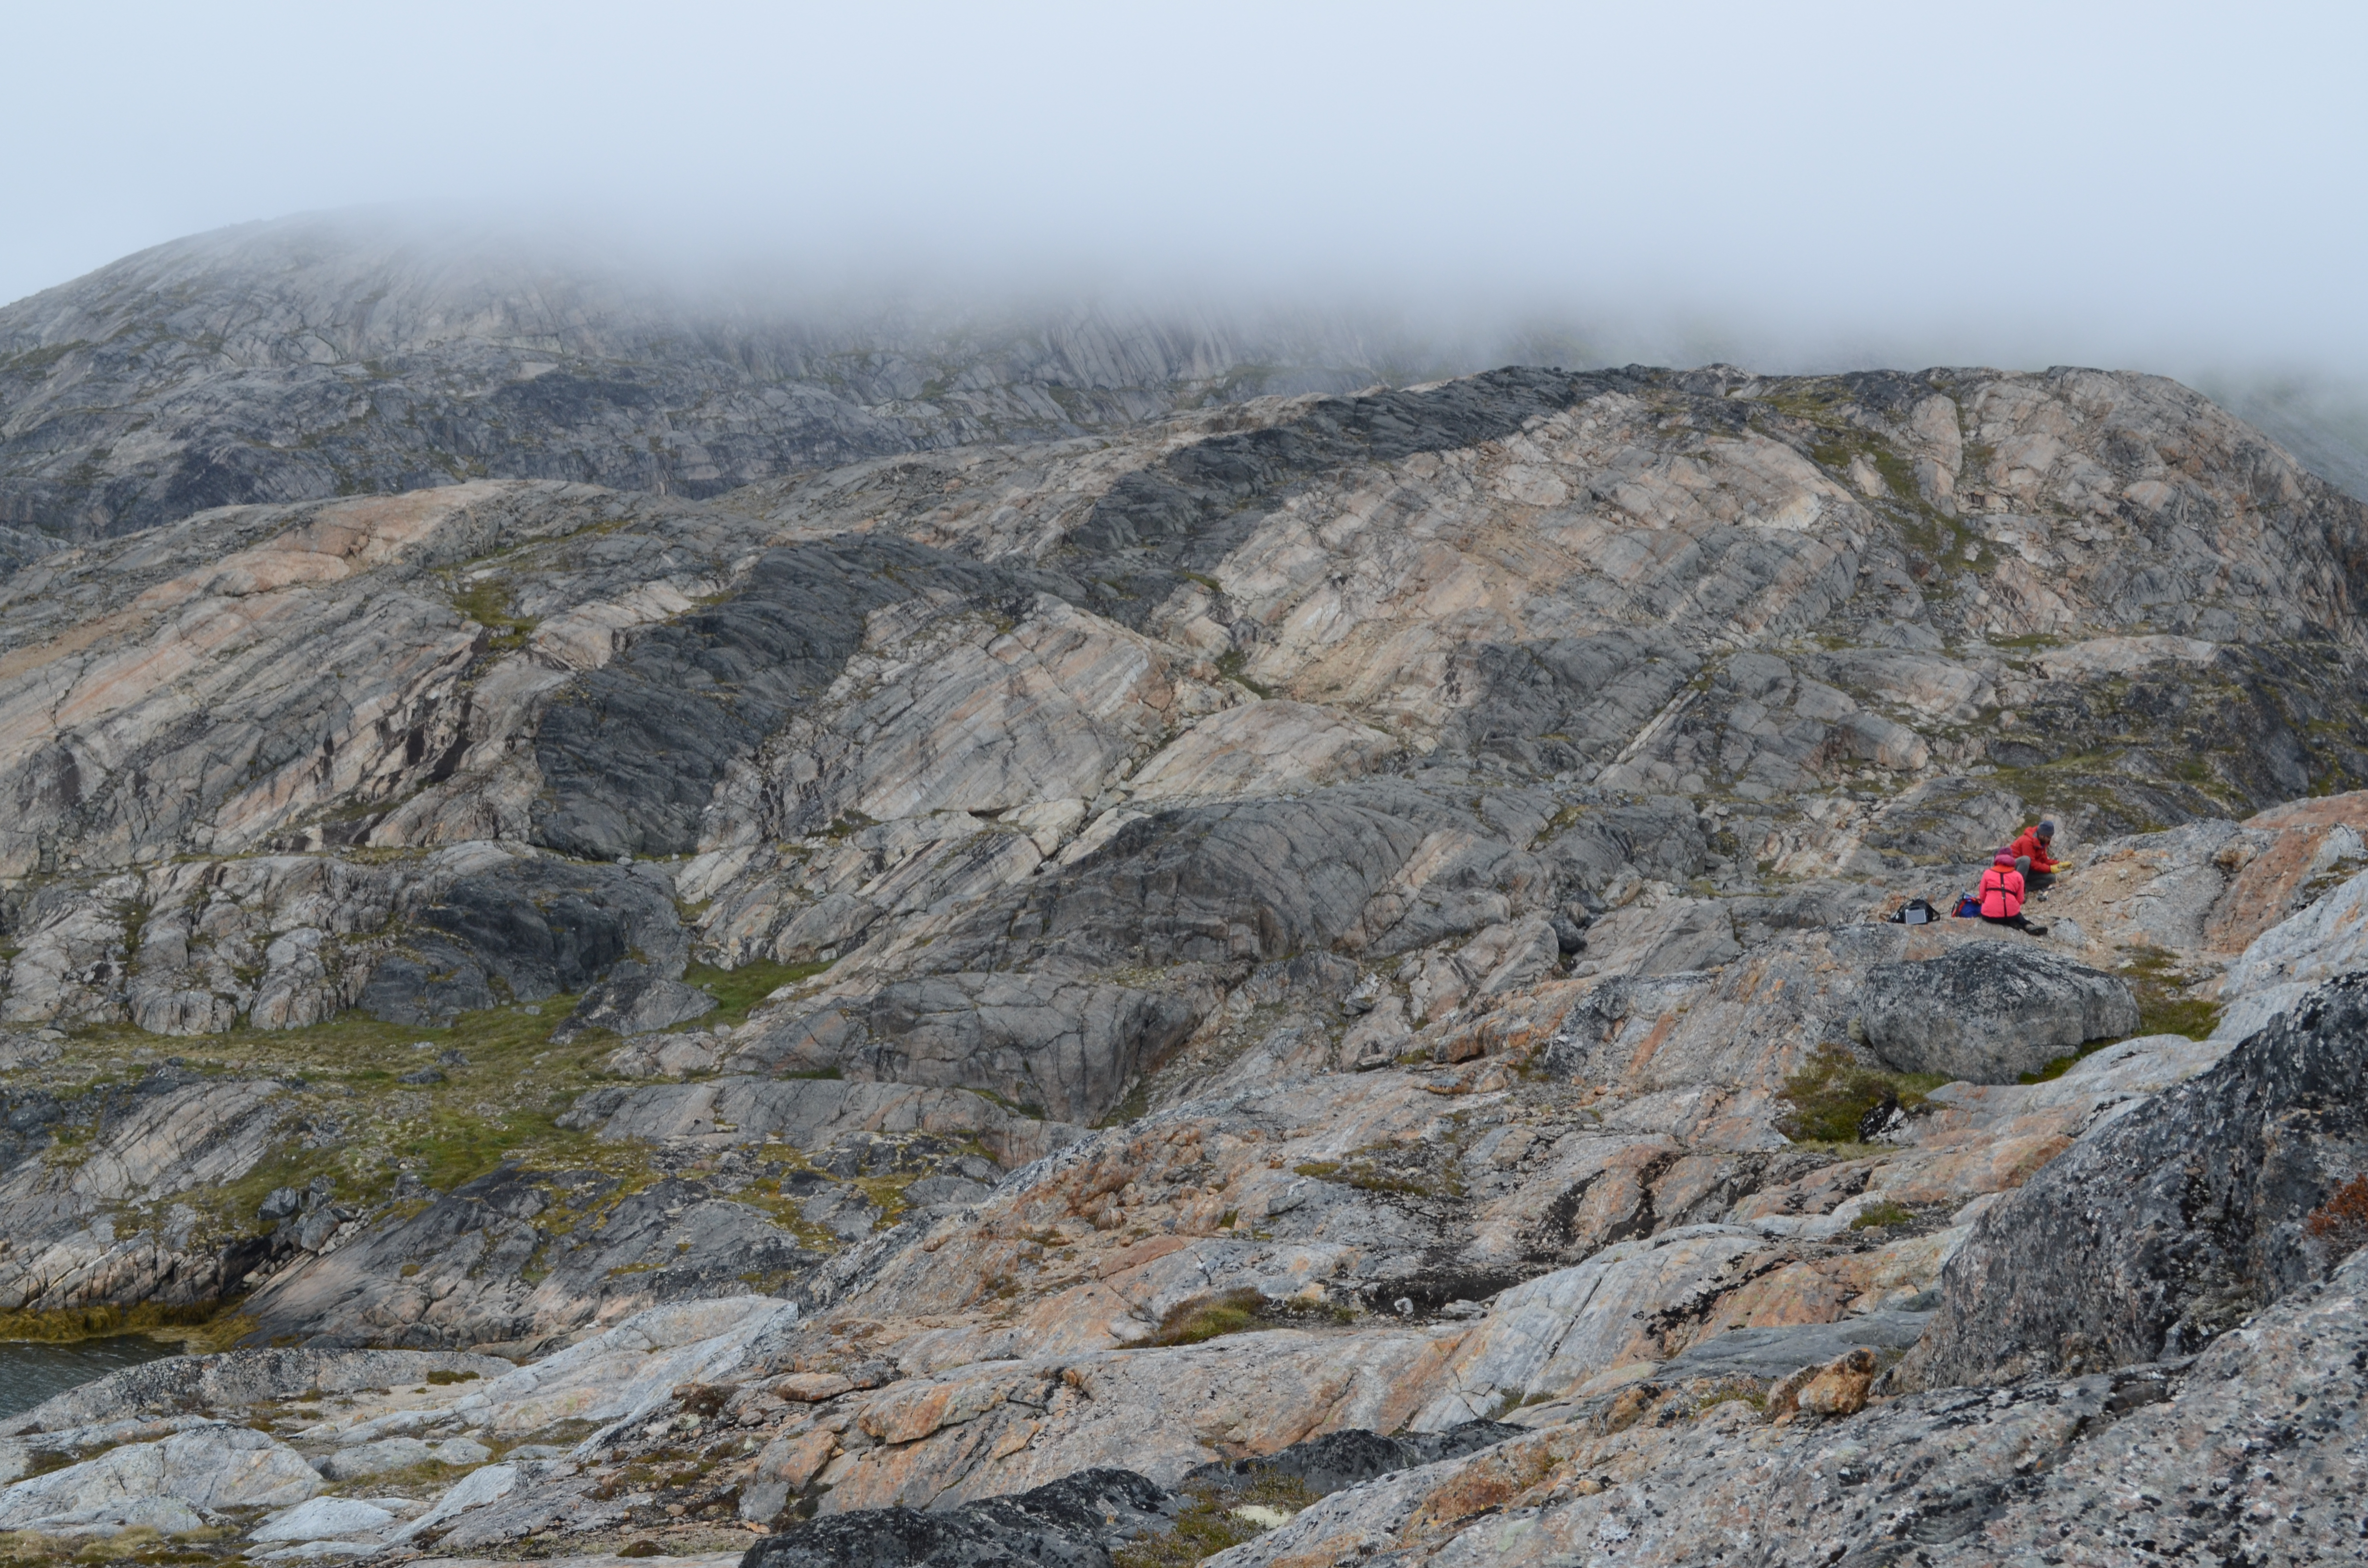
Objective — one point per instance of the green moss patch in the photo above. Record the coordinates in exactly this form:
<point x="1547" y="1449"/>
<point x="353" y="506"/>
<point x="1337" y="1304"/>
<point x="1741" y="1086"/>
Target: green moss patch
<point x="1230" y="666"/>
<point x="738" y="991"/>
<point x="1831" y="1096"/>
<point x="488" y="604"/>
<point x="197" y="1327"/>
<point x="1241" y="1312"/>
<point x="2164" y="1007"/>
<point x="1208" y="1317"/>
<point x="1388" y="1167"/>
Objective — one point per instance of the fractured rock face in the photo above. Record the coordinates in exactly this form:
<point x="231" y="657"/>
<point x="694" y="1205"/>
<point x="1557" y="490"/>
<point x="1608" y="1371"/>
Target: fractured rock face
<point x="1987" y="1012"/>
<point x="2162" y="1229"/>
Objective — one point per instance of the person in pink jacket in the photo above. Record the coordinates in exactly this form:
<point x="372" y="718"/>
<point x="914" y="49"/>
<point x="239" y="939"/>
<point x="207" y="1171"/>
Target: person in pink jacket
<point x="2001" y="894"/>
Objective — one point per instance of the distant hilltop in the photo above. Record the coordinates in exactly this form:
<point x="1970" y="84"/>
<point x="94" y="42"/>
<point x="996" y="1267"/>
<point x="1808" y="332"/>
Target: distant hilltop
<point x="320" y="357"/>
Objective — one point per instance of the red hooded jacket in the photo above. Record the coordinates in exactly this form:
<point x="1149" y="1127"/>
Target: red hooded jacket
<point x="2031" y="844"/>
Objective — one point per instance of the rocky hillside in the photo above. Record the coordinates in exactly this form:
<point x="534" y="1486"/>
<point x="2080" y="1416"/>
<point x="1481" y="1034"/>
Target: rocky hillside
<point x="1305" y="976"/>
<point x="339" y="356"/>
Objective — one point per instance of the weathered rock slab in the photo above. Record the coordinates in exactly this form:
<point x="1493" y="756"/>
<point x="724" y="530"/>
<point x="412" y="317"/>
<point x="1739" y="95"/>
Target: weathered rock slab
<point x="324" y="1519"/>
<point x="207" y="1468"/>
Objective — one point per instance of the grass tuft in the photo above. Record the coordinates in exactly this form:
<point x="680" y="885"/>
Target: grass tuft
<point x="488" y="604"/>
<point x="1385" y="1168"/>
<point x="738" y="991"/>
<point x="1831" y="1096"/>
<point x="1208" y="1317"/>
<point x="2163" y="1008"/>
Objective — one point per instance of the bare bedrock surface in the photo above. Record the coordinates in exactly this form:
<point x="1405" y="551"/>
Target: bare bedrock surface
<point x="1304" y="976"/>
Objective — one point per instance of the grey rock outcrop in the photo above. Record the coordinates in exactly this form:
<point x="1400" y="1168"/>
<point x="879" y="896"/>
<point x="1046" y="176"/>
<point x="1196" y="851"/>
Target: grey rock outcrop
<point x="164" y="1139"/>
<point x="635" y="1004"/>
<point x="1080" y="1518"/>
<point x="529" y="928"/>
<point x="207" y="1467"/>
<point x="499" y="1261"/>
<point x="1775" y="1351"/>
<point x="1987" y="1012"/>
<point x="185" y="1384"/>
<point x="2160" y="1230"/>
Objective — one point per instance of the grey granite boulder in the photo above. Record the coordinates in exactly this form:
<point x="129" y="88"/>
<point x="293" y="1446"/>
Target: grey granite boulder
<point x="365" y="1460"/>
<point x="1989" y="1011"/>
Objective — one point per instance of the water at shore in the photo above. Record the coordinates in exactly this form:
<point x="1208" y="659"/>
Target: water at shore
<point x="30" y="1373"/>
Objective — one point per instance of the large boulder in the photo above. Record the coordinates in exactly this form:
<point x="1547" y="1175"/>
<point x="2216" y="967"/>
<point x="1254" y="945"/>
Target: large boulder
<point x="2164" y="1228"/>
<point x="1989" y="1011"/>
<point x="326" y="1518"/>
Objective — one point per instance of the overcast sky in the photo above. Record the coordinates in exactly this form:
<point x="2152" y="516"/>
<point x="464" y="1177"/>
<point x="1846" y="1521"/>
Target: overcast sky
<point x="2157" y="185"/>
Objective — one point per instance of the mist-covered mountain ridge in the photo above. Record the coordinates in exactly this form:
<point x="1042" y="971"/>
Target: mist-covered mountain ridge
<point x="348" y="354"/>
<point x="853" y="979"/>
<point x="333" y="355"/>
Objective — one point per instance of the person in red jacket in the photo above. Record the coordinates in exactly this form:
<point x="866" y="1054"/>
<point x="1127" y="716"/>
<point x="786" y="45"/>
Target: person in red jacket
<point x="2031" y="858"/>
<point x="2001" y="895"/>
